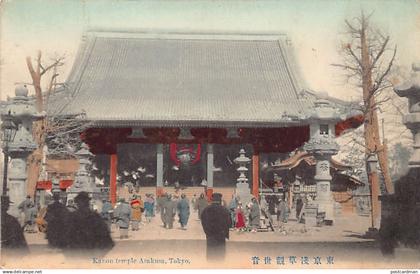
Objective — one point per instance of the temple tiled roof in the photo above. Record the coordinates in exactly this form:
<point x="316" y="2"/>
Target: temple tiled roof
<point x="176" y="79"/>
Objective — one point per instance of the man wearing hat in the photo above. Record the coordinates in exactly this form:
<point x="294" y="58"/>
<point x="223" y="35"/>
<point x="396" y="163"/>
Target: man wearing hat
<point x="57" y="218"/>
<point x="11" y="232"/>
<point x="216" y="222"/>
<point x="89" y="230"/>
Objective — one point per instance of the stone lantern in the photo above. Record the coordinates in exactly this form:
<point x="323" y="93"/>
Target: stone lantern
<point x="322" y="146"/>
<point x="242" y="186"/>
<point x="401" y="210"/>
<point x="83" y="180"/>
<point x="411" y="90"/>
<point x="23" y="113"/>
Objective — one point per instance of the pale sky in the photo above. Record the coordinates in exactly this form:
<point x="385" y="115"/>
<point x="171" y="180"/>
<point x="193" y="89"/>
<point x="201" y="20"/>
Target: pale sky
<point x="314" y="27"/>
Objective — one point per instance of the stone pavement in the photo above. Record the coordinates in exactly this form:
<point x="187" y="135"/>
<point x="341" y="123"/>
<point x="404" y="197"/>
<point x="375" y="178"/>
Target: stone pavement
<point x="159" y="246"/>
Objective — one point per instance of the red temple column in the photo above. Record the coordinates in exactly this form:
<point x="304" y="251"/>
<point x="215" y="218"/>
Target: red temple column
<point x="113" y="179"/>
<point x="210" y="165"/>
<point x="255" y="174"/>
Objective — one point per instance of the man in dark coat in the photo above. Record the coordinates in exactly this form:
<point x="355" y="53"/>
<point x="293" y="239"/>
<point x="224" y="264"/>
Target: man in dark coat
<point x="11" y="232"/>
<point x="169" y="212"/>
<point x="88" y="229"/>
<point x="57" y="218"/>
<point x="299" y="206"/>
<point x="216" y="222"/>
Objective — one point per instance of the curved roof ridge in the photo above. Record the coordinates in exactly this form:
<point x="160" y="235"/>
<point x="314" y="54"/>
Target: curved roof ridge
<point x="127" y="32"/>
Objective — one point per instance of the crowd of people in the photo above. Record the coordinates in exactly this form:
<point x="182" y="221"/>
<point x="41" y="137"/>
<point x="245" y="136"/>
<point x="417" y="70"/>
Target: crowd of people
<point x="81" y="224"/>
<point x="244" y="217"/>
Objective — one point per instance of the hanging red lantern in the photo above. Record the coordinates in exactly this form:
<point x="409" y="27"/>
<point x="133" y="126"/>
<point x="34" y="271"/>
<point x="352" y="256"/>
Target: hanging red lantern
<point x="188" y="154"/>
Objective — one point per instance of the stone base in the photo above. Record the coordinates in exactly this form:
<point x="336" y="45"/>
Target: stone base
<point x="327" y="207"/>
<point x="244" y="193"/>
<point x="311" y="212"/>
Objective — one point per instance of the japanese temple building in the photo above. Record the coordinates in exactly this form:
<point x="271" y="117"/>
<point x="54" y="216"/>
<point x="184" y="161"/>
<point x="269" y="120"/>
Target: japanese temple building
<point x="165" y="88"/>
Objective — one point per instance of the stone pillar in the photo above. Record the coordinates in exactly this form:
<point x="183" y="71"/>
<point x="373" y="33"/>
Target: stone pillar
<point x="210" y="164"/>
<point x="255" y="174"/>
<point x="159" y="169"/>
<point x="113" y="178"/>
<point x="17" y="183"/>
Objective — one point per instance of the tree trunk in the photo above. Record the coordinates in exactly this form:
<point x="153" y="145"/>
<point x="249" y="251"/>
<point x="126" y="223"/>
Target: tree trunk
<point x="371" y="123"/>
<point x="383" y="162"/>
<point x="36" y="81"/>
<point x="38" y="129"/>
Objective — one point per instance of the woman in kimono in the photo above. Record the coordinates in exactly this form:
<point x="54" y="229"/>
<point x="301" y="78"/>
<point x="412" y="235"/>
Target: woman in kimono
<point x="136" y="212"/>
<point x="149" y="205"/>
<point x="240" y="218"/>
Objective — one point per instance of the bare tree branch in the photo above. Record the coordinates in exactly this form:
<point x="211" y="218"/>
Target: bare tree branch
<point x="378" y="82"/>
<point x="381" y="51"/>
<point x="56" y="63"/>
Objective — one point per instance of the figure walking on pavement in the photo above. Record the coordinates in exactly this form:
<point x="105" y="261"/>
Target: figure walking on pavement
<point x="169" y="212"/>
<point x="216" y="222"/>
<point x="149" y="205"/>
<point x="240" y="218"/>
<point x="137" y="209"/>
<point x="122" y="213"/>
<point x="183" y="211"/>
<point x="201" y="204"/>
<point x="232" y="209"/>
<point x="106" y="212"/>
<point x="254" y="215"/>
